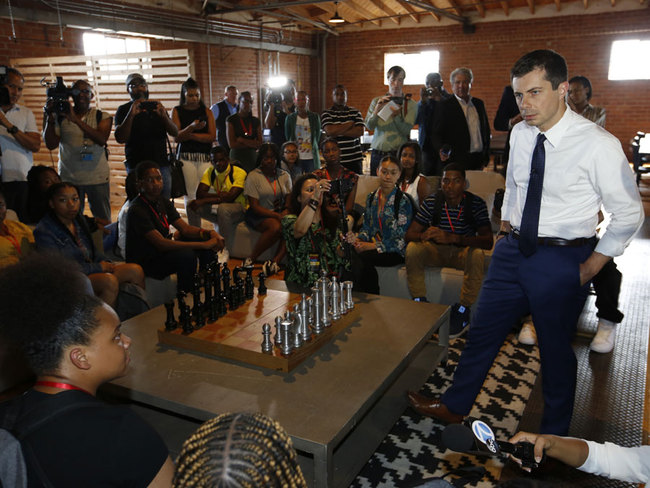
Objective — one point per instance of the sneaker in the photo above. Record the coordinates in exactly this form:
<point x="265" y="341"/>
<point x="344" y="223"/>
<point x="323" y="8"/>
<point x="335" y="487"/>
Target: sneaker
<point x="223" y="256"/>
<point x="603" y="341"/>
<point x="247" y="262"/>
<point x="458" y="321"/>
<point x="528" y="335"/>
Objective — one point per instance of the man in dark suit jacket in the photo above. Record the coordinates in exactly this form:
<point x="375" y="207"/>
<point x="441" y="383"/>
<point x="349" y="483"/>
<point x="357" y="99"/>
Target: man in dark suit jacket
<point x="461" y="122"/>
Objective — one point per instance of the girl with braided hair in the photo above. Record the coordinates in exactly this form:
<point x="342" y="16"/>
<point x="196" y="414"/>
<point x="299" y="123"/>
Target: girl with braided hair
<point x="238" y="450"/>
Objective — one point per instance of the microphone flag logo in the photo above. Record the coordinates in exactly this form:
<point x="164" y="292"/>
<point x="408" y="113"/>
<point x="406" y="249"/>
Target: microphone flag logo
<point x="483" y="433"/>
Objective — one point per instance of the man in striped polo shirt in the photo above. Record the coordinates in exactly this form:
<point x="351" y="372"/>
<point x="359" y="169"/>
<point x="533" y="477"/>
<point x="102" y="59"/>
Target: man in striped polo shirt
<point x="451" y="228"/>
<point x="345" y="124"/>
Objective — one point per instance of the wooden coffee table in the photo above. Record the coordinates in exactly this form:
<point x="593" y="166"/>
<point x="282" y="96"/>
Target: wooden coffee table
<point x="337" y="405"/>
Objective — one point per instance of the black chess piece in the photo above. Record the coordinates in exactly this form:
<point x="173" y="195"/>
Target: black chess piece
<point x="232" y="298"/>
<point x="207" y="284"/>
<point x="213" y="308"/>
<point x="236" y="276"/>
<point x="215" y="278"/>
<point x="222" y="304"/>
<point x="186" y="323"/>
<point x="170" y="323"/>
<point x="249" y="287"/>
<point x="180" y="296"/>
<point x="261" y="289"/>
<point x="241" y="297"/>
<point x="199" y="318"/>
<point x="225" y="278"/>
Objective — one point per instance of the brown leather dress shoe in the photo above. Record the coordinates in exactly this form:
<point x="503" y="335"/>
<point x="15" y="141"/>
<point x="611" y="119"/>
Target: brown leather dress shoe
<point x="432" y="407"/>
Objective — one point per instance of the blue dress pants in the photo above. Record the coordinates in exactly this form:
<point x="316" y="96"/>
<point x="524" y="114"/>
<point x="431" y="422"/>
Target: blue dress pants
<point x="547" y="285"/>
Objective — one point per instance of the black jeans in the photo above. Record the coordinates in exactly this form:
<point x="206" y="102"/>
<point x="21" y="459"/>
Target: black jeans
<point x="364" y="273"/>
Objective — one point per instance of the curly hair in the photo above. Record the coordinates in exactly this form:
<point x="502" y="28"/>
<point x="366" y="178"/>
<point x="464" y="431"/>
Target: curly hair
<point x="45" y="308"/>
<point x="238" y="450"/>
<point x="296" y="190"/>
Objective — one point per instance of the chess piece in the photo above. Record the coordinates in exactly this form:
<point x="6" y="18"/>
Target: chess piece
<point x="285" y="330"/>
<point x="207" y="284"/>
<point x="222" y="304"/>
<point x="325" y="298"/>
<point x="232" y="298"/>
<point x="215" y="278"/>
<point x="199" y="317"/>
<point x="236" y="276"/>
<point x="342" y="303"/>
<point x="261" y="289"/>
<point x="317" y="322"/>
<point x="213" y="308"/>
<point x="336" y="312"/>
<point x="348" y="295"/>
<point x="186" y="323"/>
<point x="267" y="345"/>
<point x="305" y="331"/>
<point x="310" y="311"/>
<point x="249" y="287"/>
<point x="225" y="278"/>
<point x="278" y="331"/>
<point x="170" y="323"/>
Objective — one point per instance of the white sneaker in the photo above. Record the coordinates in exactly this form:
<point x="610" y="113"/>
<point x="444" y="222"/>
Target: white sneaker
<point x="603" y="341"/>
<point x="223" y="256"/>
<point x="248" y="262"/>
<point x="528" y="336"/>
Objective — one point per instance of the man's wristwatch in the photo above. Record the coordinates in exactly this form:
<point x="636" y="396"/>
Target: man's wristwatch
<point x="13" y="130"/>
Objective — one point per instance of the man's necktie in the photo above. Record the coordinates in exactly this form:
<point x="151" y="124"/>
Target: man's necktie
<point x="530" y="216"/>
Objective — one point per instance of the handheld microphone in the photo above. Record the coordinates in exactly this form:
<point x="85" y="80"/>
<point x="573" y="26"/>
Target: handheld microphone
<point x="476" y="437"/>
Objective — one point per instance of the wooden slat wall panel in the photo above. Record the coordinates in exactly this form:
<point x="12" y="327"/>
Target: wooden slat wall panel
<point x="165" y="72"/>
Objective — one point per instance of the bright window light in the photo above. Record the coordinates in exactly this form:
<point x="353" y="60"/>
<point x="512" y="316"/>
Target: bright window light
<point x="416" y="65"/>
<point x="630" y="60"/>
<point x="100" y="45"/>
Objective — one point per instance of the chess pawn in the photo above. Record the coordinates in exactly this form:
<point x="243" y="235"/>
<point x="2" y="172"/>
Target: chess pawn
<point x="348" y="295"/>
<point x="170" y="323"/>
<point x="249" y="287"/>
<point x="305" y="331"/>
<point x="261" y="289"/>
<point x="278" y="331"/>
<point x="267" y="345"/>
<point x="317" y="323"/>
<point x="342" y="303"/>
<point x="336" y="312"/>
<point x="285" y="329"/>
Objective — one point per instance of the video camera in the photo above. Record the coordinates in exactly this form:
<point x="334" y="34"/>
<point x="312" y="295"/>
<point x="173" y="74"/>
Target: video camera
<point x="59" y="94"/>
<point x="341" y="187"/>
<point x="5" y="99"/>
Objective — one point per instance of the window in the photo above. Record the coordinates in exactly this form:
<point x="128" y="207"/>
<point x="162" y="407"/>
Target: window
<point x="101" y="45"/>
<point x="630" y="60"/>
<point x="416" y="65"/>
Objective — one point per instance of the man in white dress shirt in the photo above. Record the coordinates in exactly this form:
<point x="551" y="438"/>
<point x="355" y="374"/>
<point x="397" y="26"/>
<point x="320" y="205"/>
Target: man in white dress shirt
<point x="583" y="166"/>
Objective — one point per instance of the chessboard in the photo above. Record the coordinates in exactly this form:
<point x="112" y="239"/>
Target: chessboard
<point x="238" y="334"/>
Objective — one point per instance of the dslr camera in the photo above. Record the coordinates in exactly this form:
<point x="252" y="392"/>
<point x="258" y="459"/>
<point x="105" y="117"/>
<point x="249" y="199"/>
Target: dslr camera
<point x="341" y="187"/>
<point x="59" y="94"/>
<point x="5" y="99"/>
<point x="400" y="100"/>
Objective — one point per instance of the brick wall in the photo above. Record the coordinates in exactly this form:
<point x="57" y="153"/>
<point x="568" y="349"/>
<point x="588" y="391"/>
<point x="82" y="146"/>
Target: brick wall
<point x="356" y="59"/>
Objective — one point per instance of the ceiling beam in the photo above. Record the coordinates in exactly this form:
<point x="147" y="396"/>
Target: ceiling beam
<point x="531" y="5"/>
<point x="394" y="16"/>
<point x="264" y="6"/>
<point x="442" y="12"/>
<point x="505" y="7"/>
<point x="352" y="5"/>
<point x="480" y="7"/>
<point x="411" y="11"/>
<point x="455" y="7"/>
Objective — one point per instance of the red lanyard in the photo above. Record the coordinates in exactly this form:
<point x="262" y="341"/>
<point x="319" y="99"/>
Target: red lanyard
<point x="63" y="386"/>
<point x="250" y="127"/>
<point x="161" y="218"/>
<point x="275" y="181"/>
<point x="14" y="241"/>
<point x="449" y="219"/>
<point x="405" y="186"/>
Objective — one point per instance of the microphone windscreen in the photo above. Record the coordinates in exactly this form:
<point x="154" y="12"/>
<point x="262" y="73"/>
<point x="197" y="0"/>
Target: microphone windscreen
<point x="458" y="438"/>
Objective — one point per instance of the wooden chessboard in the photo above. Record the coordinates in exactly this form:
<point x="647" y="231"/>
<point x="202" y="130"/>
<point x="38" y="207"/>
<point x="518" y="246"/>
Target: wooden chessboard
<point x="238" y="334"/>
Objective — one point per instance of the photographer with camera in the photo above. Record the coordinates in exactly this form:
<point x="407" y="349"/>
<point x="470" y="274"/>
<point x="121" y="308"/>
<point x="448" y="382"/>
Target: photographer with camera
<point x="391" y="117"/>
<point x="279" y="104"/>
<point x="19" y="138"/>
<point x="81" y="133"/>
<point x="142" y="126"/>
<point x="430" y="94"/>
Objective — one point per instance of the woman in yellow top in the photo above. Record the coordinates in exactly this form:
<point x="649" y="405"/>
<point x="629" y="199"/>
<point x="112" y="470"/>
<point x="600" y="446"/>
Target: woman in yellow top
<point x="16" y="239"/>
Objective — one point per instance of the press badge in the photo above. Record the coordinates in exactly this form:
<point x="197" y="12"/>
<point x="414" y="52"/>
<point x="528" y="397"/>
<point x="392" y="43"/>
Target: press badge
<point x="86" y="155"/>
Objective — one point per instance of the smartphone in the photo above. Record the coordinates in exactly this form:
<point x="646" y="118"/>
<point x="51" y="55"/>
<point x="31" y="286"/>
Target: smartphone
<point x="149" y="105"/>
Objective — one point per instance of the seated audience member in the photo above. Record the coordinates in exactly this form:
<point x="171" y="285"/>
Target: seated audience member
<point x="65" y="230"/>
<point x="452" y="228"/>
<point x="267" y="188"/>
<point x="222" y="186"/>
<point x="244" y="133"/>
<point x="381" y="239"/>
<point x="311" y="233"/>
<point x="608" y="460"/>
<point x="131" y="189"/>
<point x="334" y="170"/>
<point x="580" y="93"/>
<point x="196" y="132"/>
<point x="289" y="161"/>
<point x="73" y="343"/>
<point x="411" y="181"/>
<point x="149" y="240"/>
<point x="16" y="239"/>
<point x="239" y="450"/>
<point x="39" y="179"/>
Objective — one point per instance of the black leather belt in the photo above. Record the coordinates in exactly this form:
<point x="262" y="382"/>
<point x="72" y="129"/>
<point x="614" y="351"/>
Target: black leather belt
<point x="556" y="241"/>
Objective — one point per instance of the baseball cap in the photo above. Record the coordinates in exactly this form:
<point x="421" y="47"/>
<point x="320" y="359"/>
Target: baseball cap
<point x="134" y="77"/>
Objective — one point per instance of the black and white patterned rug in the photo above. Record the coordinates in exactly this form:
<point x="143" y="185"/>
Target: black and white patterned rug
<point x="413" y="451"/>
